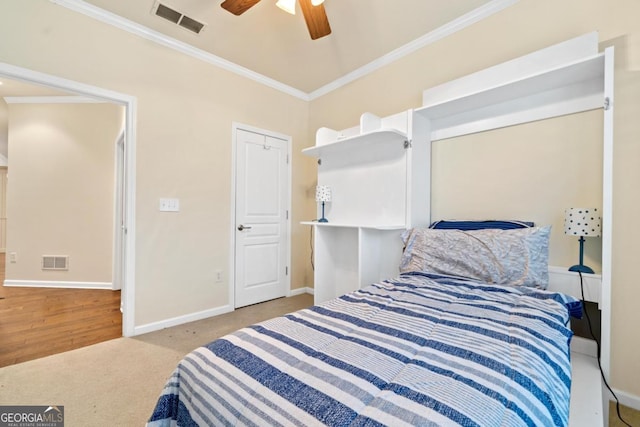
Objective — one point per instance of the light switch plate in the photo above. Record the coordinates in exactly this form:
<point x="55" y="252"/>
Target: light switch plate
<point x="169" y="205"/>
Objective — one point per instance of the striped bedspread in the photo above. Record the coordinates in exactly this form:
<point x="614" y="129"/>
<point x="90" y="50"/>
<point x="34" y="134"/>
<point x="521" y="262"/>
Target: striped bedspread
<point x="418" y="350"/>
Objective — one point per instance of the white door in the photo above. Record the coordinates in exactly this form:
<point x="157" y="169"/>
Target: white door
<point x="261" y="223"/>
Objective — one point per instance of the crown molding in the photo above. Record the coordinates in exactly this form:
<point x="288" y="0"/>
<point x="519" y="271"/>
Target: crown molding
<point x="52" y="100"/>
<point x="450" y="28"/>
<point x="117" y="21"/>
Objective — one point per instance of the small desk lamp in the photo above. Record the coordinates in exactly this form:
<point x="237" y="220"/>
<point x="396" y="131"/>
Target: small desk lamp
<point x="323" y="194"/>
<point x="583" y="222"/>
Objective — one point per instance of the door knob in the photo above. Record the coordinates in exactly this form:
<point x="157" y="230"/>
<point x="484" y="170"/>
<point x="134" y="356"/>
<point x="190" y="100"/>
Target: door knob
<point x="242" y="227"/>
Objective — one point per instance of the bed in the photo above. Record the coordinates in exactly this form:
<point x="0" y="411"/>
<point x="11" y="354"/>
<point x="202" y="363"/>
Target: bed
<point x="425" y="348"/>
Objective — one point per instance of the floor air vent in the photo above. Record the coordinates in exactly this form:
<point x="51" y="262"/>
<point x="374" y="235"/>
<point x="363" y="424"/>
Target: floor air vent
<point x="55" y="262"/>
<point x="176" y="17"/>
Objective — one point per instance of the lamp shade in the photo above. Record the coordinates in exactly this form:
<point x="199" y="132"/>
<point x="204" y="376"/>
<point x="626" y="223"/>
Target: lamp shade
<point x="582" y="222"/>
<point x="287" y="5"/>
<point x="323" y="193"/>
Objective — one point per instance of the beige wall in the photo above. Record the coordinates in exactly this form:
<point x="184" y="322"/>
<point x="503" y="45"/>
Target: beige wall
<point x="527" y="154"/>
<point x="185" y="113"/>
<point x="529" y="172"/>
<point x="60" y="198"/>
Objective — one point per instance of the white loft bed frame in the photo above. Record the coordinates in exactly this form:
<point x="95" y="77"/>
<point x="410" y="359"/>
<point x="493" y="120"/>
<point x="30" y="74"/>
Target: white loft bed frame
<point x="566" y="78"/>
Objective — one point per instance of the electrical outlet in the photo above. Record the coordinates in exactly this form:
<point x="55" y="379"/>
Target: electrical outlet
<point x="218" y="276"/>
<point x="13" y="257"/>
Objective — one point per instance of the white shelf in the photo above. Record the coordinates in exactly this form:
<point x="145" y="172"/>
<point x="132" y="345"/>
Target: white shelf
<point x="368" y="226"/>
<point x="348" y="257"/>
<point x="568" y="282"/>
<point x="386" y="139"/>
<point x="572" y="73"/>
<point x="370" y="169"/>
<point x="566" y="89"/>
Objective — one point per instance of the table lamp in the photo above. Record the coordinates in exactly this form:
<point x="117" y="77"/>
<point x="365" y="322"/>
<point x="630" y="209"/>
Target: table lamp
<point x="323" y="194"/>
<point x="583" y="222"/>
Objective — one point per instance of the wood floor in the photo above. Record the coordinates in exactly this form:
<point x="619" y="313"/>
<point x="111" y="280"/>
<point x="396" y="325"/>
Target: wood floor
<point x="38" y="322"/>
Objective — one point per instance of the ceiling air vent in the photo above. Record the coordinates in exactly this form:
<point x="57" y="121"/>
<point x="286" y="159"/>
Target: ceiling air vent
<point x="55" y="262"/>
<point x="170" y="14"/>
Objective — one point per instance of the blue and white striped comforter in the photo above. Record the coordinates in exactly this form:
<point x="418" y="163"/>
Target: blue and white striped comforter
<point x="412" y="351"/>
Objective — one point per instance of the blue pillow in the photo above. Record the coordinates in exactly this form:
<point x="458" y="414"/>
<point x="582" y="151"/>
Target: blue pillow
<point x="480" y="225"/>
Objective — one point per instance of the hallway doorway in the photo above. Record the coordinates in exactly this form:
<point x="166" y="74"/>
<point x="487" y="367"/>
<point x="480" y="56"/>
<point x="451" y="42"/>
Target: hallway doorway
<point x="81" y="90"/>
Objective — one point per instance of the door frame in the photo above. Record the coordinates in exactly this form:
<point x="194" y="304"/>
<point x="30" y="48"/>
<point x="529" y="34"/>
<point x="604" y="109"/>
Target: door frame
<point x="235" y="126"/>
<point x="129" y="201"/>
<point x="119" y="216"/>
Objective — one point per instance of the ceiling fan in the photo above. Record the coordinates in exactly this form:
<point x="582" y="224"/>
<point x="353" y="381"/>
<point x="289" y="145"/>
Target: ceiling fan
<point x="313" y="11"/>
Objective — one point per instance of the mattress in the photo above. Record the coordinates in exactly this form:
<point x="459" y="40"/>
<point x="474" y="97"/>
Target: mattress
<point x="420" y="349"/>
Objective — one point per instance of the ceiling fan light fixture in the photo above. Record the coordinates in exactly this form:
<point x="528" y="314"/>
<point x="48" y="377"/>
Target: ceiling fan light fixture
<point x="313" y="11"/>
<point x="288" y="6"/>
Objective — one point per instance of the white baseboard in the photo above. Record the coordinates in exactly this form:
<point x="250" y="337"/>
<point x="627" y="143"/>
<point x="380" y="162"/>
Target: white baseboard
<point x="58" y="284"/>
<point x="300" y="291"/>
<point x="179" y="320"/>
<point x="627" y="399"/>
<point x="205" y="314"/>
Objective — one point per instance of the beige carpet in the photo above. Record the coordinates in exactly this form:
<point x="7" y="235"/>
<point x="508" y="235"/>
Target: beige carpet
<point x="630" y="416"/>
<point x="117" y="383"/>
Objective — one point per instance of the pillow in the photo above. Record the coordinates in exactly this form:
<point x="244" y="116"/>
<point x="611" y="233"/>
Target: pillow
<point x="516" y="257"/>
<point x="480" y="225"/>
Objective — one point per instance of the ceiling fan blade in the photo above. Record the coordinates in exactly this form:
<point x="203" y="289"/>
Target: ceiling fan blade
<point x="316" y="18"/>
<point x="238" y="7"/>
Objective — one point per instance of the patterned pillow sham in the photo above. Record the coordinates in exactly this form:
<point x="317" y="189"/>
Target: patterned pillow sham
<point x="515" y="257"/>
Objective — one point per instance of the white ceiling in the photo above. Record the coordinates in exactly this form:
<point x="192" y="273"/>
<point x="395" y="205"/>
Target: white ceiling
<point x="277" y="45"/>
